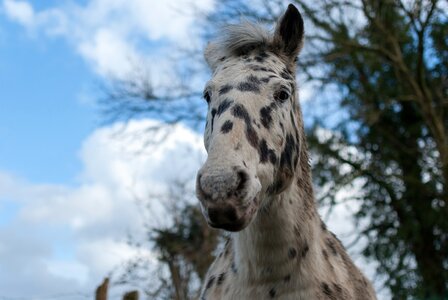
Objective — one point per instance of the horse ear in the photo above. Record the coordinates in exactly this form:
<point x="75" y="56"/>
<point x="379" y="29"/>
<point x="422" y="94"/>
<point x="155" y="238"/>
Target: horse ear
<point x="212" y="55"/>
<point x="288" y="37"/>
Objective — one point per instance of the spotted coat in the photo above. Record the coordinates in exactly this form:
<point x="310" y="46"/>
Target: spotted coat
<point x="280" y="249"/>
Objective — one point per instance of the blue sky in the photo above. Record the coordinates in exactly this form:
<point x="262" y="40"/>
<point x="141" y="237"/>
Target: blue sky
<point x="42" y="115"/>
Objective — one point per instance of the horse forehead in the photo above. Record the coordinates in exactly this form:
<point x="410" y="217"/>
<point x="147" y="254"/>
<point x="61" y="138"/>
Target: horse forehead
<point x="237" y="69"/>
<point x="231" y="74"/>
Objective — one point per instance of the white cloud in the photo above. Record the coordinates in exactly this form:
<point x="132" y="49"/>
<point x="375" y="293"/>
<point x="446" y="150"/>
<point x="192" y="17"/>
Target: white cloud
<point x="20" y="11"/>
<point x="69" y="270"/>
<point x="110" y="35"/>
<point x="51" y="21"/>
<point x="109" y="54"/>
<point x="73" y="236"/>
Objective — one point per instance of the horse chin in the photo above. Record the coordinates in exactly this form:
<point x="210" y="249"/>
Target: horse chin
<point x="232" y="227"/>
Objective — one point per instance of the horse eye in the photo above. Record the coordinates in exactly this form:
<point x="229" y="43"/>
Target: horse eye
<point x="207" y="96"/>
<point x="281" y="96"/>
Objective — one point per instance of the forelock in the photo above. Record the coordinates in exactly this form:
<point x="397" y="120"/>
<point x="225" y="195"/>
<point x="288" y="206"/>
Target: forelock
<point x="238" y="39"/>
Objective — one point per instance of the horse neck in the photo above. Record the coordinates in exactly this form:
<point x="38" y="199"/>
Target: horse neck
<point x="284" y="233"/>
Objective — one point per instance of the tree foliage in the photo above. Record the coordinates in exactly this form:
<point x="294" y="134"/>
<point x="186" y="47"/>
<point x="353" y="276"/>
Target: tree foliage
<point x="187" y="249"/>
<point x="390" y="69"/>
<point x="177" y="233"/>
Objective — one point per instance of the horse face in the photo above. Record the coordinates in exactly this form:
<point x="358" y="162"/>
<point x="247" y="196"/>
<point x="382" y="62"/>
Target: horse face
<point x="251" y="133"/>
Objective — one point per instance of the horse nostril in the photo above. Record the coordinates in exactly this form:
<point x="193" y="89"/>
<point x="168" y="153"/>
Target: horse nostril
<point x="242" y="179"/>
<point x="199" y="190"/>
<point x="214" y="215"/>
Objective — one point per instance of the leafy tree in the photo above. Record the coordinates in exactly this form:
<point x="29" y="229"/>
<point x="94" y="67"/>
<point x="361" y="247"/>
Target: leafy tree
<point x="187" y="249"/>
<point x="391" y="71"/>
<point x="183" y="242"/>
